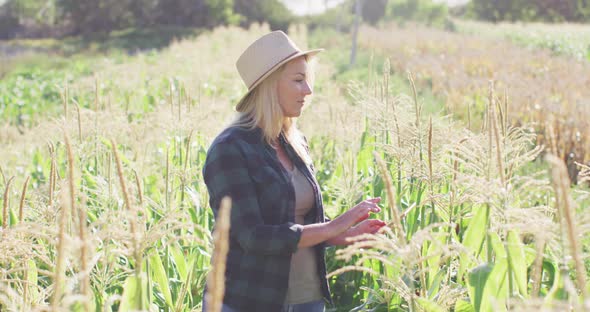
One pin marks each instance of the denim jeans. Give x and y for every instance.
(224, 308)
(314, 306)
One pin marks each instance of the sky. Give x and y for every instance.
(302, 7)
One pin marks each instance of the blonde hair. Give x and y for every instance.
(261, 108)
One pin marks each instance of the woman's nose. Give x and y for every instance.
(307, 89)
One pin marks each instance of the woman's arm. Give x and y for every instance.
(316, 233)
(225, 174)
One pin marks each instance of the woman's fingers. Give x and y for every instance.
(360, 212)
(374, 200)
(374, 225)
(371, 203)
(376, 222)
(367, 207)
(378, 226)
(362, 218)
(370, 226)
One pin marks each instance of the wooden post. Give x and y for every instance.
(355, 30)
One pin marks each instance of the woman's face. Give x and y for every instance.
(293, 87)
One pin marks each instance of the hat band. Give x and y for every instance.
(266, 72)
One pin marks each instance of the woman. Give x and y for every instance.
(278, 229)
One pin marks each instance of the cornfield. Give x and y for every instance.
(546, 92)
(105, 209)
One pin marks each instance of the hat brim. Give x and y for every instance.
(313, 52)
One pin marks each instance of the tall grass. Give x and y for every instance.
(216, 278)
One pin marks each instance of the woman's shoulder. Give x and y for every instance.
(234, 146)
(235, 138)
(234, 134)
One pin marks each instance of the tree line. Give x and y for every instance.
(44, 18)
(55, 18)
(531, 11)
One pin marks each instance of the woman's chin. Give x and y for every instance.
(293, 114)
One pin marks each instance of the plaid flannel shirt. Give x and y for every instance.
(263, 234)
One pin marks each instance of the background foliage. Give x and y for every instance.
(39, 18)
(525, 10)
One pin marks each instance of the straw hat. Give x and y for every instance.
(264, 56)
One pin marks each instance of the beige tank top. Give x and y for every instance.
(304, 282)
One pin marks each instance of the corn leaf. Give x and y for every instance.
(134, 294)
(473, 238)
(478, 278)
(159, 276)
(179, 260)
(517, 261)
(429, 306)
(496, 288)
(463, 306)
(32, 279)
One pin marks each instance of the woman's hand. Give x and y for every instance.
(334, 231)
(356, 214)
(370, 226)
